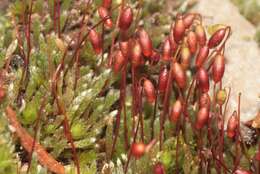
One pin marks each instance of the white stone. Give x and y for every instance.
(243, 56)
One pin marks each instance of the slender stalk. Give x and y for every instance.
(222, 130)
(54, 15)
(68, 134)
(154, 114)
(166, 100)
(124, 108)
(133, 98)
(118, 116)
(110, 60)
(130, 151)
(26, 140)
(77, 71)
(177, 146)
(58, 17)
(25, 73)
(140, 114)
(36, 129)
(238, 141)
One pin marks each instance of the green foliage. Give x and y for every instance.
(87, 92)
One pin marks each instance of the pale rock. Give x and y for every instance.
(243, 55)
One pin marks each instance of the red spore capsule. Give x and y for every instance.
(179, 75)
(145, 42)
(218, 68)
(203, 80)
(126, 18)
(202, 56)
(104, 15)
(202, 117)
(201, 35)
(95, 40)
(178, 30)
(176, 111)
(216, 38)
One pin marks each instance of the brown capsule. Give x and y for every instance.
(176, 111)
(218, 68)
(204, 100)
(138, 149)
(241, 171)
(149, 91)
(158, 169)
(104, 15)
(178, 30)
(96, 41)
(145, 42)
(173, 44)
(179, 75)
(201, 35)
(202, 117)
(192, 42)
(124, 47)
(216, 38)
(188, 19)
(119, 61)
(167, 52)
(2, 94)
(202, 56)
(136, 54)
(126, 18)
(107, 3)
(232, 125)
(163, 78)
(185, 57)
(203, 80)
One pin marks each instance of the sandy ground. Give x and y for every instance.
(242, 53)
